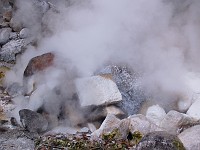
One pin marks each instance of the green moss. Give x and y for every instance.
(110, 136)
(179, 145)
(135, 137)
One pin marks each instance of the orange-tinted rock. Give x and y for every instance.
(39, 63)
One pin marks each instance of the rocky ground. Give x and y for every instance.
(121, 116)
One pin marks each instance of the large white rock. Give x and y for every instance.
(97, 90)
(194, 110)
(173, 121)
(155, 114)
(191, 138)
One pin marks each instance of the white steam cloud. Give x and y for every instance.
(159, 38)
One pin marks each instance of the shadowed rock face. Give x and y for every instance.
(39, 63)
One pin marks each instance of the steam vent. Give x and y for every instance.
(99, 75)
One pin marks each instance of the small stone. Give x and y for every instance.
(193, 111)
(160, 140)
(24, 33)
(39, 63)
(32, 121)
(155, 114)
(4, 35)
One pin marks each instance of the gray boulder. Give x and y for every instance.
(11, 49)
(33, 121)
(160, 140)
(4, 35)
(129, 85)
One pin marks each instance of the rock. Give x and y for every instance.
(174, 121)
(109, 124)
(13, 36)
(11, 49)
(4, 35)
(39, 63)
(160, 140)
(24, 33)
(190, 138)
(15, 24)
(32, 121)
(193, 111)
(142, 124)
(129, 85)
(15, 89)
(91, 127)
(7, 16)
(100, 112)
(155, 114)
(97, 90)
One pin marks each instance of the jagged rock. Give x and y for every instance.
(160, 140)
(24, 33)
(129, 85)
(109, 124)
(39, 63)
(4, 35)
(155, 114)
(32, 121)
(11, 49)
(190, 138)
(193, 111)
(142, 124)
(174, 121)
(97, 90)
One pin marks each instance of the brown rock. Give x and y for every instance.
(7, 15)
(39, 63)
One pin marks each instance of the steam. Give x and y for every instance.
(158, 38)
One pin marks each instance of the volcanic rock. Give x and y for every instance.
(193, 111)
(11, 49)
(24, 33)
(160, 140)
(32, 121)
(129, 85)
(97, 90)
(142, 124)
(190, 138)
(39, 63)
(174, 121)
(109, 124)
(155, 114)
(4, 35)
